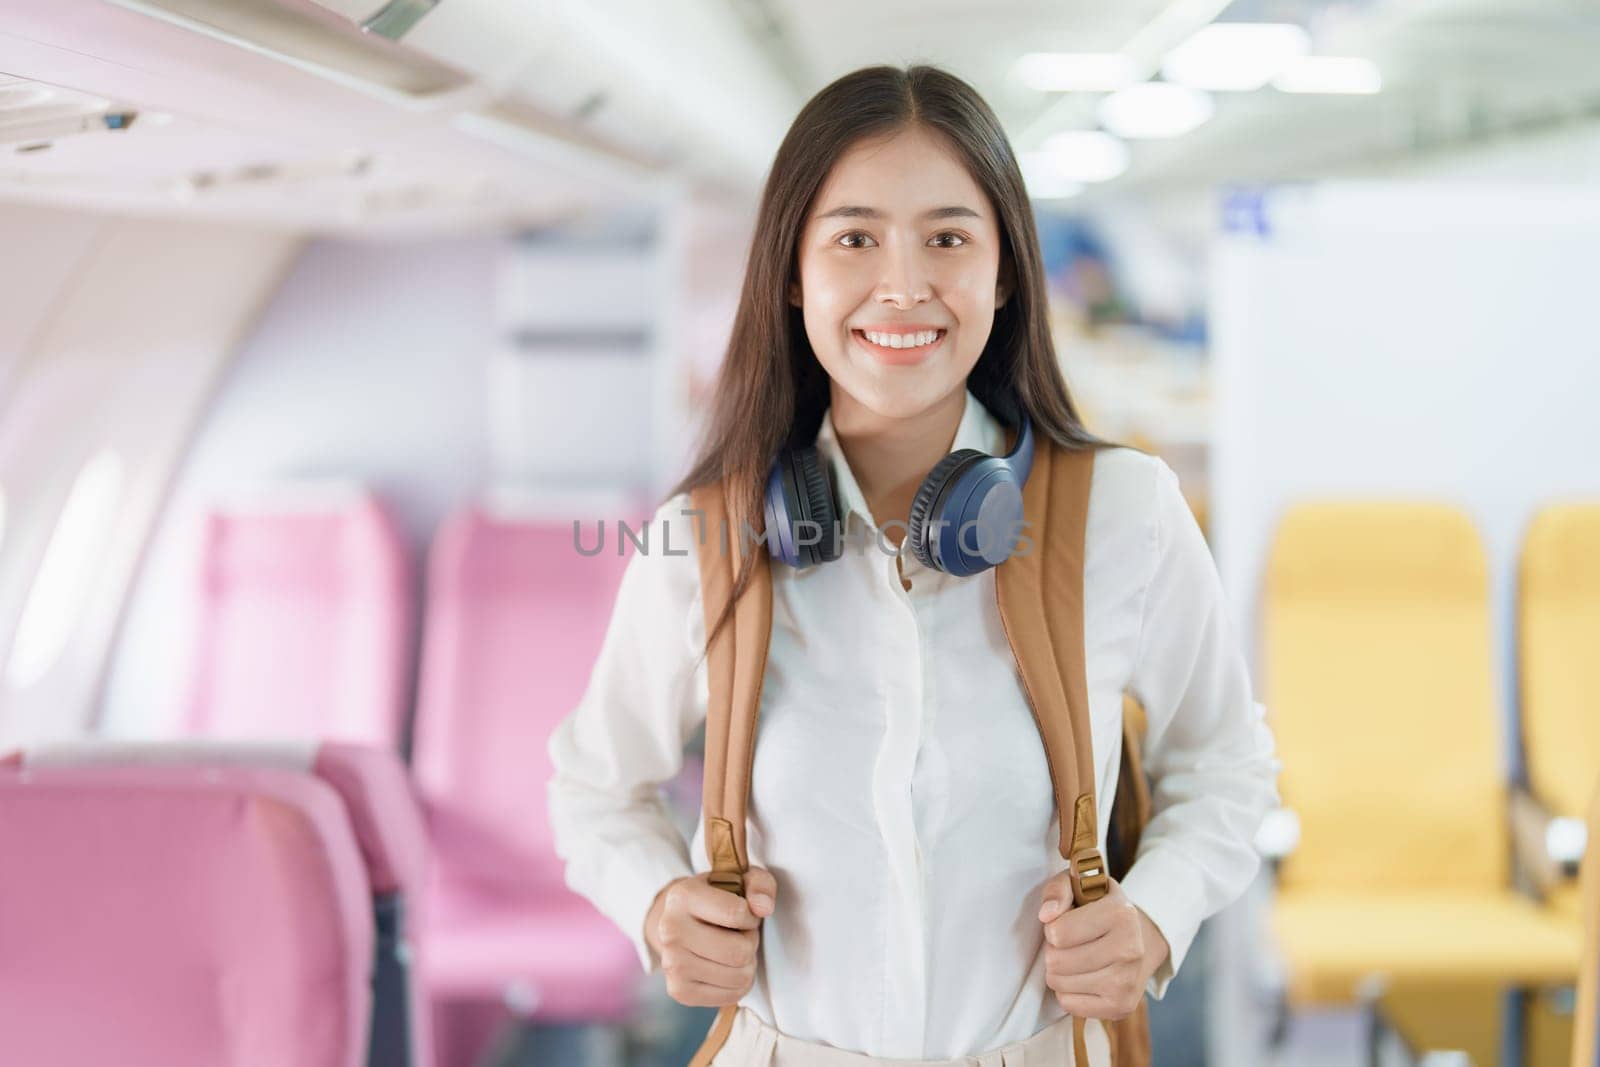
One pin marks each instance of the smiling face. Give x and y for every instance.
(899, 274)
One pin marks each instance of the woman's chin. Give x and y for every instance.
(899, 396)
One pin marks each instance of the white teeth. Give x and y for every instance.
(902, 340)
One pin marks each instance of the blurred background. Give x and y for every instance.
(320, 320)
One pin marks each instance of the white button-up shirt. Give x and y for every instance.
(900, 793)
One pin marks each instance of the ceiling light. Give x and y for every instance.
(1056, 189)
(1084, 156)
(1235, 56)
(1330, 74)
(1044, 180)
(1154, 109)
(1066, 72)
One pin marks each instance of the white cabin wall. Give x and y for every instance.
(114, 331)
(40, 247)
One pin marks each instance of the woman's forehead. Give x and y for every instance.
(911, 175)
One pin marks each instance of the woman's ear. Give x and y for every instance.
(1005, 283)
(794, 293)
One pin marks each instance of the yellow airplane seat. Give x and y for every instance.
(1586, 1045)
(1378, 677)
(1558, 635)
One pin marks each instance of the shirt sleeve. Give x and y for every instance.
(1208, 751)
(627, 733)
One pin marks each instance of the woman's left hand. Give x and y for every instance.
(1098, 957)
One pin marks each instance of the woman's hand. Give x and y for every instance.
(706, 938)
(1098, 958)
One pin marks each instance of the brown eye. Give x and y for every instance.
(854, 233)
(960, 238)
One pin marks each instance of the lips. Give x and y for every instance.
(899, 356)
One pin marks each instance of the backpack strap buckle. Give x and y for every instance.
(1089, 878)
(726, 870)
(732, 881)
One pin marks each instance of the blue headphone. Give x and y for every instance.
(964, 519)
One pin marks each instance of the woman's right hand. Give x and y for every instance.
(707, 938)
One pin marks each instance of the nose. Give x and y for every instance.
(905, 283)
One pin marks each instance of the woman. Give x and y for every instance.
(905, 897)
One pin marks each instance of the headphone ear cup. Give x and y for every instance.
(943, 475)
(812, 480)
(782, 505)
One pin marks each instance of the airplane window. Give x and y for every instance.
(67, 573)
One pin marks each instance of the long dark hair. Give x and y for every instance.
(771, 390)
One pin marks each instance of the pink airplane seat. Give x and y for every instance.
(209, 903)
(304, 621)
(515, 619)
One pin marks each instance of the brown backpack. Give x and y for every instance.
(1041, 608)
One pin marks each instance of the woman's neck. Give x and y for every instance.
(890, 457)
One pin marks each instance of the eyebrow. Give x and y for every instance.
(855, 211)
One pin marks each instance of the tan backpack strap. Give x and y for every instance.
(735, 664)
(1040, 594)
(721, 1026)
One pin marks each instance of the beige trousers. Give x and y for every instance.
(752, 1043)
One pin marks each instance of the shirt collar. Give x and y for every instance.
(978, 429)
